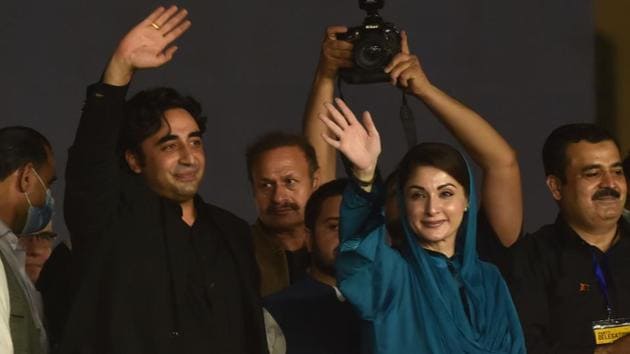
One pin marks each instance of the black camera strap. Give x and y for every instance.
(405, 114)
(408, 122)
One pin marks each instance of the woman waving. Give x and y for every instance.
(435, 296)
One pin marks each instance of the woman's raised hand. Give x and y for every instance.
(360, 143)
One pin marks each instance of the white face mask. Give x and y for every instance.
(38, 217)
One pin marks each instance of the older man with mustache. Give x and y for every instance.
(283, 172)
(571, 279)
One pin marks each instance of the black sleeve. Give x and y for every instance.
(258, 339)
(251, 259)
(57, 290)
(239, 235)
(529, 292)
(92, 171)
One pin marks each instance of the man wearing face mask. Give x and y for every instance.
(27, 169)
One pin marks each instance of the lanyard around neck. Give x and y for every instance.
(599, 263)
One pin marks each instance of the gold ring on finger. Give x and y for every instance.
(155, 25)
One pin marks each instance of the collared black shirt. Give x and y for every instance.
(556, 291)
(205, 284)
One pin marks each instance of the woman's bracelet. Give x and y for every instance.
(363, 183)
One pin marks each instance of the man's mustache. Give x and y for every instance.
(606, 192)
(282, 207)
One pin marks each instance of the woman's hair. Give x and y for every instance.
(438, 155)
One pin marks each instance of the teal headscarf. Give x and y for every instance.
(421, 301)
(465, 302)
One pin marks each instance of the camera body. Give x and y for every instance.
(375, 42)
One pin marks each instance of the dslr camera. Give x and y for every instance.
(375, 42)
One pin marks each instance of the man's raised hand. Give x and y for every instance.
(147, 45)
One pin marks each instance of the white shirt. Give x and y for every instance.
(276, 343)
(16, 260)
(6, 345)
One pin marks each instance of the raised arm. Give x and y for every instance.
(92, 172)
(369, 272)
(501, 194)
(360, 143)
(147, 45)
(335, 54)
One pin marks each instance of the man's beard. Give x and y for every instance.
(322, 265)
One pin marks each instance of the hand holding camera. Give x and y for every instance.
(375, 42)
(335, 54)
(406, 72)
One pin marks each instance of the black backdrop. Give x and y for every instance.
(526, 65)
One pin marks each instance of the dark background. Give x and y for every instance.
(527, 66)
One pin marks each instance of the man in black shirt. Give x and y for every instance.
(312, 313)
(160, 270)
(577, 270)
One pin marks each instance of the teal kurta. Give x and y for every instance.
(418, 301)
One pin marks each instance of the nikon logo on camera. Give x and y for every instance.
(375, 42)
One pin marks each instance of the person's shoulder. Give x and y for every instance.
(305, 290)
(223, 214)
(544, 235)
(539, 247)
(544, 232)
(224, 219)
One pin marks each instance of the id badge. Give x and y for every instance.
(608, 331)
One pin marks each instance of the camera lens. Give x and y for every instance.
(371, 56)
(373, 51)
